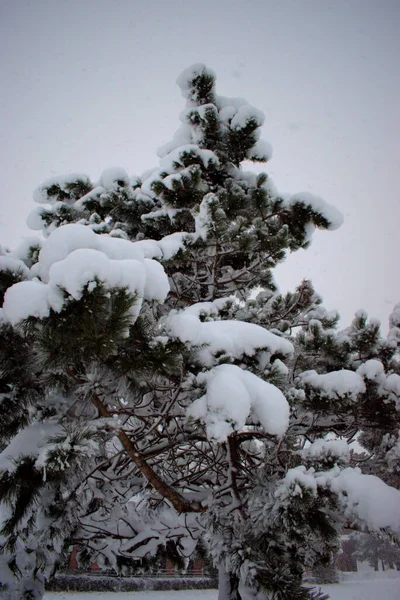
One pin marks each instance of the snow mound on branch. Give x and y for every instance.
(73, 258)
(210, 308)
(113, 178)
(171, 163)
(168, 163)
(233, 395)
(24, 248)
(322, 449)
(296, 479)
(372, 370)
(392, 386)
(86, 265)
(34, 219)
(233, 337)
(318, 205)
(262, 150)
(203, 219)
(364, 498)
(246, 114)
(16, 266)
(232, 113)
(171, 244)
(62, 182)
(336, 383)
(28, 299)
(68, 238)
(27, 443)
(187, 76)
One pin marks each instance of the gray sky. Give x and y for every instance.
(90, 84)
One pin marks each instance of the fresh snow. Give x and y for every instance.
(168, 163)
(262, 150)
(245, 114)
(384, 588)
(27, 443)
(234, 394)
(236, 338)
(111, 177)
(322, 449)
(372, 370)
(360, 496)
(365, 499)
(74, 256)
(336, 383)
(191, 73)
(392, 385)
(41, 195)
(16, 266)
(318, 205)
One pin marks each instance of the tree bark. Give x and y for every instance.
(228, 585)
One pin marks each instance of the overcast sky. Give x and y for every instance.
(90, 84)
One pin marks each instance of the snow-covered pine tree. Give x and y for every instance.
(148, 399)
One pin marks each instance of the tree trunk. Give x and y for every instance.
(228, 585)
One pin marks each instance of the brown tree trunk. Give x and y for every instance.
(165, 490)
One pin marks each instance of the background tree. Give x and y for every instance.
(150, 399)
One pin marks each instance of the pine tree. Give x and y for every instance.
(152, 398)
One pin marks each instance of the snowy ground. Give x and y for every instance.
(384, 589)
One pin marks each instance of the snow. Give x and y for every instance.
(203, 219)
(171, 244)
(321, 449)
(372, 370)
(392, 385)
(182, 136)
(245, 114)
(364, 498)
(94, 194)
(34, 219)
(16, 266)
(73, 257)
(234, 337)
(41, 195)
(110, 177)
(61, 242)
(387, 589)
(296, 479)
(394, 318)
(168, 163)
(317, 204)
(27, 443)
(210, 308)
(188, 75)
(335, 384)
(26, 299)
(227, 113)
(234, 394)
(86, 265)
(226, 102)
(156, 283)
(383, 587)
(23, 249)
(262, 150)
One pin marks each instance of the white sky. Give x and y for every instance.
(90, 84)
